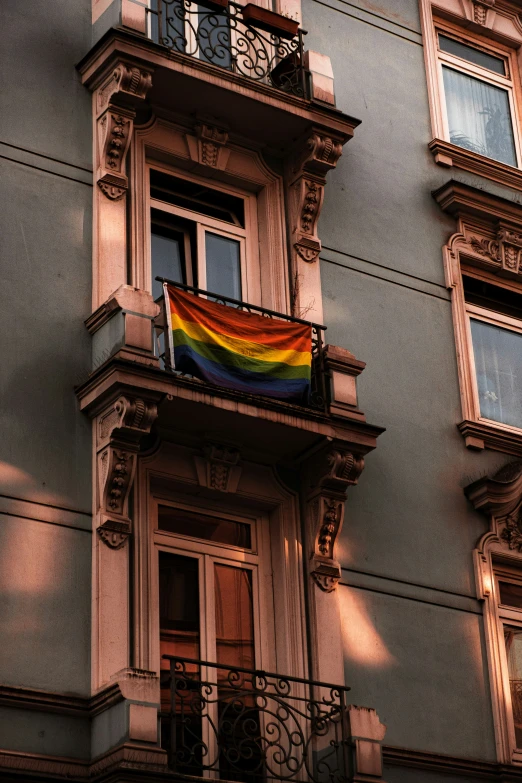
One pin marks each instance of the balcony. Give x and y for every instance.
(129, 358)
(245, 725)
(318, 397)
(228, 37)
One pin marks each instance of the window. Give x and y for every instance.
(479, 109)
(201, 235)
(509, 598)
(212, 606)
(495, 327)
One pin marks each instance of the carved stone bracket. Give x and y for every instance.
(317, 154)
(218, 467)
(119, 431)
(208, 147)
(125, 85)
(326, 504)
(115, 129)
(116, 101)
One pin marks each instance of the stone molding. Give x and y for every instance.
(208, 146)
(116, 100)
(218, 467)
(317, 154)
(119, 429)
(333, 471)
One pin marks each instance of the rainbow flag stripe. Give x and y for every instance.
(239, 350)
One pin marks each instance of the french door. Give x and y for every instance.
(214, 600)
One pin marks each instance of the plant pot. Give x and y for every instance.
(214, 5)
(270, 21)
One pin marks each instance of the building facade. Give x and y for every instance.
(198, 581)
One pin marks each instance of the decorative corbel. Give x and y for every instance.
(338, 469)
(208, 146)
(500, 498)
(317, 154)
(116, 101)
(119, 430)
(218, 467)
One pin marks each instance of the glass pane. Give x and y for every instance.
(179, 606)
(510, 594)
(513, 639)
(472, 55)
(498, 365)
(197, 198)
(234, 616)
(167, 254)
(223, 265)
(214, 37)
(479, 116)
(188, 523)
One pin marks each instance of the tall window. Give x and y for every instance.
(477, 86)
(213, 606)
(495, 325)
(198, 235)
(509, 590)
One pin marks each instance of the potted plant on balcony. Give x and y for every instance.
(270, 21)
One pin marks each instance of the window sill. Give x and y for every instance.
(448, 155)
(480, 435)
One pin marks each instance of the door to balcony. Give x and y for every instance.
(214, 606)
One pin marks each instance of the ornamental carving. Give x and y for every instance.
(512, 532)
(211, 140)
(119, 431)
(218, 467)
(115, 133)
(505, 249)
(332, 474)
(116, 100)
(480, 11)
(126, 84)
(306, 176)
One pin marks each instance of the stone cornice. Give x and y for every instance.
(458, 199)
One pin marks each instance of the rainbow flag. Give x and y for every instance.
(239, 350)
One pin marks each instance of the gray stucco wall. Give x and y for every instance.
(412, 627)
(45, 443)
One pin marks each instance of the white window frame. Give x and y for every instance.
(247, 236)
(496, 319)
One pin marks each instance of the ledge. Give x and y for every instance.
(473, 769)
(459, 199)
(190, 408)
(480, 435)
(183, 84)
(448, 155)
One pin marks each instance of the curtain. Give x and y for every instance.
(498, 365)
(479, 116)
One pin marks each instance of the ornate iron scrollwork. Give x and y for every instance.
(223, 38)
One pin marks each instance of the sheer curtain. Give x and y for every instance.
(498, 365)
(479, 116)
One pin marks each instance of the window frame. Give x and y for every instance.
(507, 83)
(175, 147)
(506, 617)
(471, 404)
(247, 236)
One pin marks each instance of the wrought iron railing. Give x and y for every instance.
(317, 399)
(252, 726)
(222, 37)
